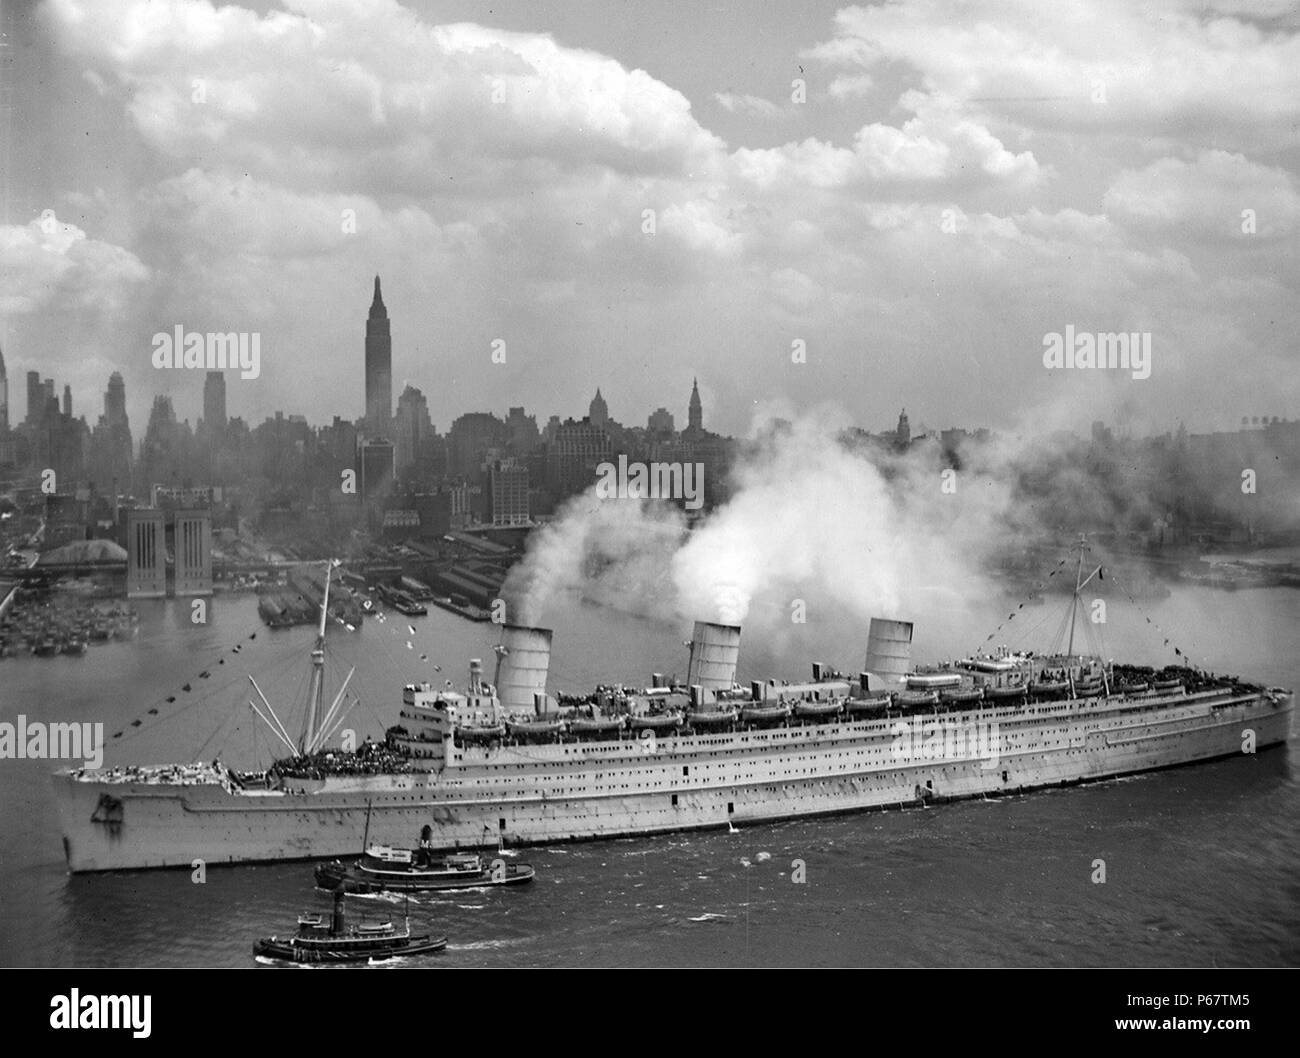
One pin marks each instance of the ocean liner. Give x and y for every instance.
(507, 762)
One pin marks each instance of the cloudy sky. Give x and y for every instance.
(916, 190)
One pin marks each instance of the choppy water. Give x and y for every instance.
(1202, 863)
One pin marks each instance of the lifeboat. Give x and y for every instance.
(917, 699)
(1088, 689)
(961, 696)
(539, 728)
(994, 694)
(818, 710)
(1049, 688)
(933, 681)
(479, 732)
(764, 714)
(1133, 687)
(598, 725)
(656, 722)
(711, 717)
(869, 706)
(1168, 685)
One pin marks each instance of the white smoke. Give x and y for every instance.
(811, 525)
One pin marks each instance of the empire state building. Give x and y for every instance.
(379, 368)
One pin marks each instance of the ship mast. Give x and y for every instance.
(1079, 584)
(317, 669)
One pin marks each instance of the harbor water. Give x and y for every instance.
(1200, 864)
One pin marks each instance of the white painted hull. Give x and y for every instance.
(539, 794)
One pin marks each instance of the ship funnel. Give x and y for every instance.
(523, 660)
(889, 649)
(714, 651)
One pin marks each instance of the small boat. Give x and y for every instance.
(596, 725)
(74, 646)
(479, 732)
(1133, 687)
(933, 681)
(711, 717)
(46, 647)
(539, 728)
(655, 722)
(915, 699)
(961, 696)
(384, 869)
(1049, 688)
(1088, 689)
(818, 710)
(869, 706)
(1168, 685)
(1003, 693)
(764, 714)
(318, 941)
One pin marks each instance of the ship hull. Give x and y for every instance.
(541, 794)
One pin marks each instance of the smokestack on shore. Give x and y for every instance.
(523, 662)
(889, 649)
(715, 650)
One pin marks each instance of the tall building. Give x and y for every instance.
(4, 396)
(214, 403)
(695, 413)
(379, 368)
(111, 444)
(572, 457)
(35, 399)
(903, 433)
(376, 459)
(412, 429)
(661, 423)
(469, 439)
(508, 481)
(522, 435)
(115, 401)
(67, 401)
(598, 411)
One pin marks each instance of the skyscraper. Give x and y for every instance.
(379, 368)
(115, 401)
(598, 410)
(112, 446)
(695, 413)
(214, 403)
(4, 396)
(411, 428)
(35, 399)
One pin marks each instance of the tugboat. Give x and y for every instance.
(318, 941)
(384, 869)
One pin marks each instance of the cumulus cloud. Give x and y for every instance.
(1208, 194)
(52, 266)
(1109, 63)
